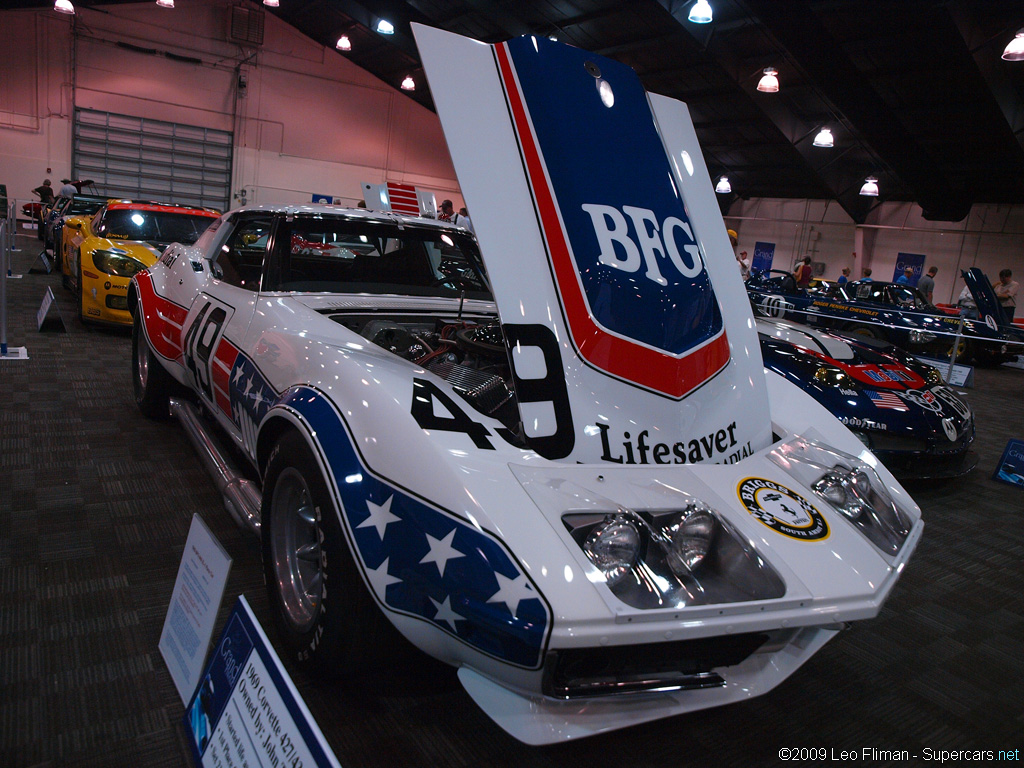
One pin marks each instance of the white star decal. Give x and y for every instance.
(512, 591)
(441, 551)
(445, 612)
(380, 579)
(248, 387)
(258, 397)
(380, 516)
(238, 375)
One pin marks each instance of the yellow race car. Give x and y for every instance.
(101, 253)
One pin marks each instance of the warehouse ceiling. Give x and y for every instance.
(914, 92)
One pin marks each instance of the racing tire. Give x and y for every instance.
(151, 383)
(964, 352)
(326, 617)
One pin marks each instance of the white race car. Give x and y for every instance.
(563, 468)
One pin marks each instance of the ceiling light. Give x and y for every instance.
(343, 44)
(824, 138)
(1014, 50)
(870, 188)
(272, 3)
(701, 12)
(723, 187)
(63, 6)
(769, 83)
(385, 27)
(165, 3)
(408, 84)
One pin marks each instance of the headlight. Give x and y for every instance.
(673, 558)
(849, 486)
(932, 375)
(921, 337)
(613, 547)
(116, 262)
(831, 376)
(691, 540)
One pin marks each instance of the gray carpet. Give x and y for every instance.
(95, 504)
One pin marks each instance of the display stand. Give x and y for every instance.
(6, 235)
(43, 318)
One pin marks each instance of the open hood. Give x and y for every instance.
(630, 333)
(984, 296)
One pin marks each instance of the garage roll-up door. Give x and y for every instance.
(145, 159)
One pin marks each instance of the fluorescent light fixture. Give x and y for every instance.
(769, 83)
(824, 138)
(165, 3)
(1014, 50)
(870, 188)
(63, 6)
(408, 84)
(723, 187)
(701, 12)
(343, 44)
(271, 3)
(385, 27)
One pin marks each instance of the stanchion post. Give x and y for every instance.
(5, 254)
(956, 347)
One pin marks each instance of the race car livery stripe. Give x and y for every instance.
(425, 563)
(637, 362)
(223, 361)
(162, 317)
(881, 377)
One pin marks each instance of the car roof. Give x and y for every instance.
(161, 207)
(354, 214)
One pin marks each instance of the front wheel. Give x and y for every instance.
(326, 617)
(151, 383)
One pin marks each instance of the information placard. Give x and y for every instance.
(1010, 469)
(198, 590)
(958, 376)
(246, 710)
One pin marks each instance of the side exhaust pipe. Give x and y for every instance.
(242, 497)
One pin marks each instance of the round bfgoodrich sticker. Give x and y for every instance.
(781, 509)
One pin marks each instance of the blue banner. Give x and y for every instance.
(1010, 469)
(764, 254)
(913, 260)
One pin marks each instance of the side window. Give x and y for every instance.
(239, 261)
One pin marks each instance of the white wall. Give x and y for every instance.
(309, 121)
(991, 237)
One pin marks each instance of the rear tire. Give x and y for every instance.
(151, 383)
(328, 620)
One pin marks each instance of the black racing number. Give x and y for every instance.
(424, 393)
(548, 389)
(200, 341)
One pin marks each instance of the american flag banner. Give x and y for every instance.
(887, 400)
(403, 198)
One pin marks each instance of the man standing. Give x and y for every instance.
(69, 189)
(45, 192)
(844, 277)
(926, 285)
(1006, 291)
(906, 277)
(446, 212)
(802, 274)
(744, 263)
(865, 274)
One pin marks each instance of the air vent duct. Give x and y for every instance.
(246, 26)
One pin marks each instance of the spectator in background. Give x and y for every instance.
(744, 265)
(463, 220)
(926, 285)
(865, 274)
(907, 277)
(68, 189)
(844, 277)
(968, 307)
(45, 192)
(446, 211)
(802, 273)
(1006, 291)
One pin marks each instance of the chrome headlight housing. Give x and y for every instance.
(851, 487)
(673, 558)
(831, 376)
(116, 262)
(921, 337)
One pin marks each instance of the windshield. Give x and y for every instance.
(325, 254)
(153, 226)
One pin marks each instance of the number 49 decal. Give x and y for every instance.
(550, 388)
(201, 340)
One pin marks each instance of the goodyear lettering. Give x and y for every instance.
(714, 445)
(672, 240)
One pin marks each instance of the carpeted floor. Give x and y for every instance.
(95, 505)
